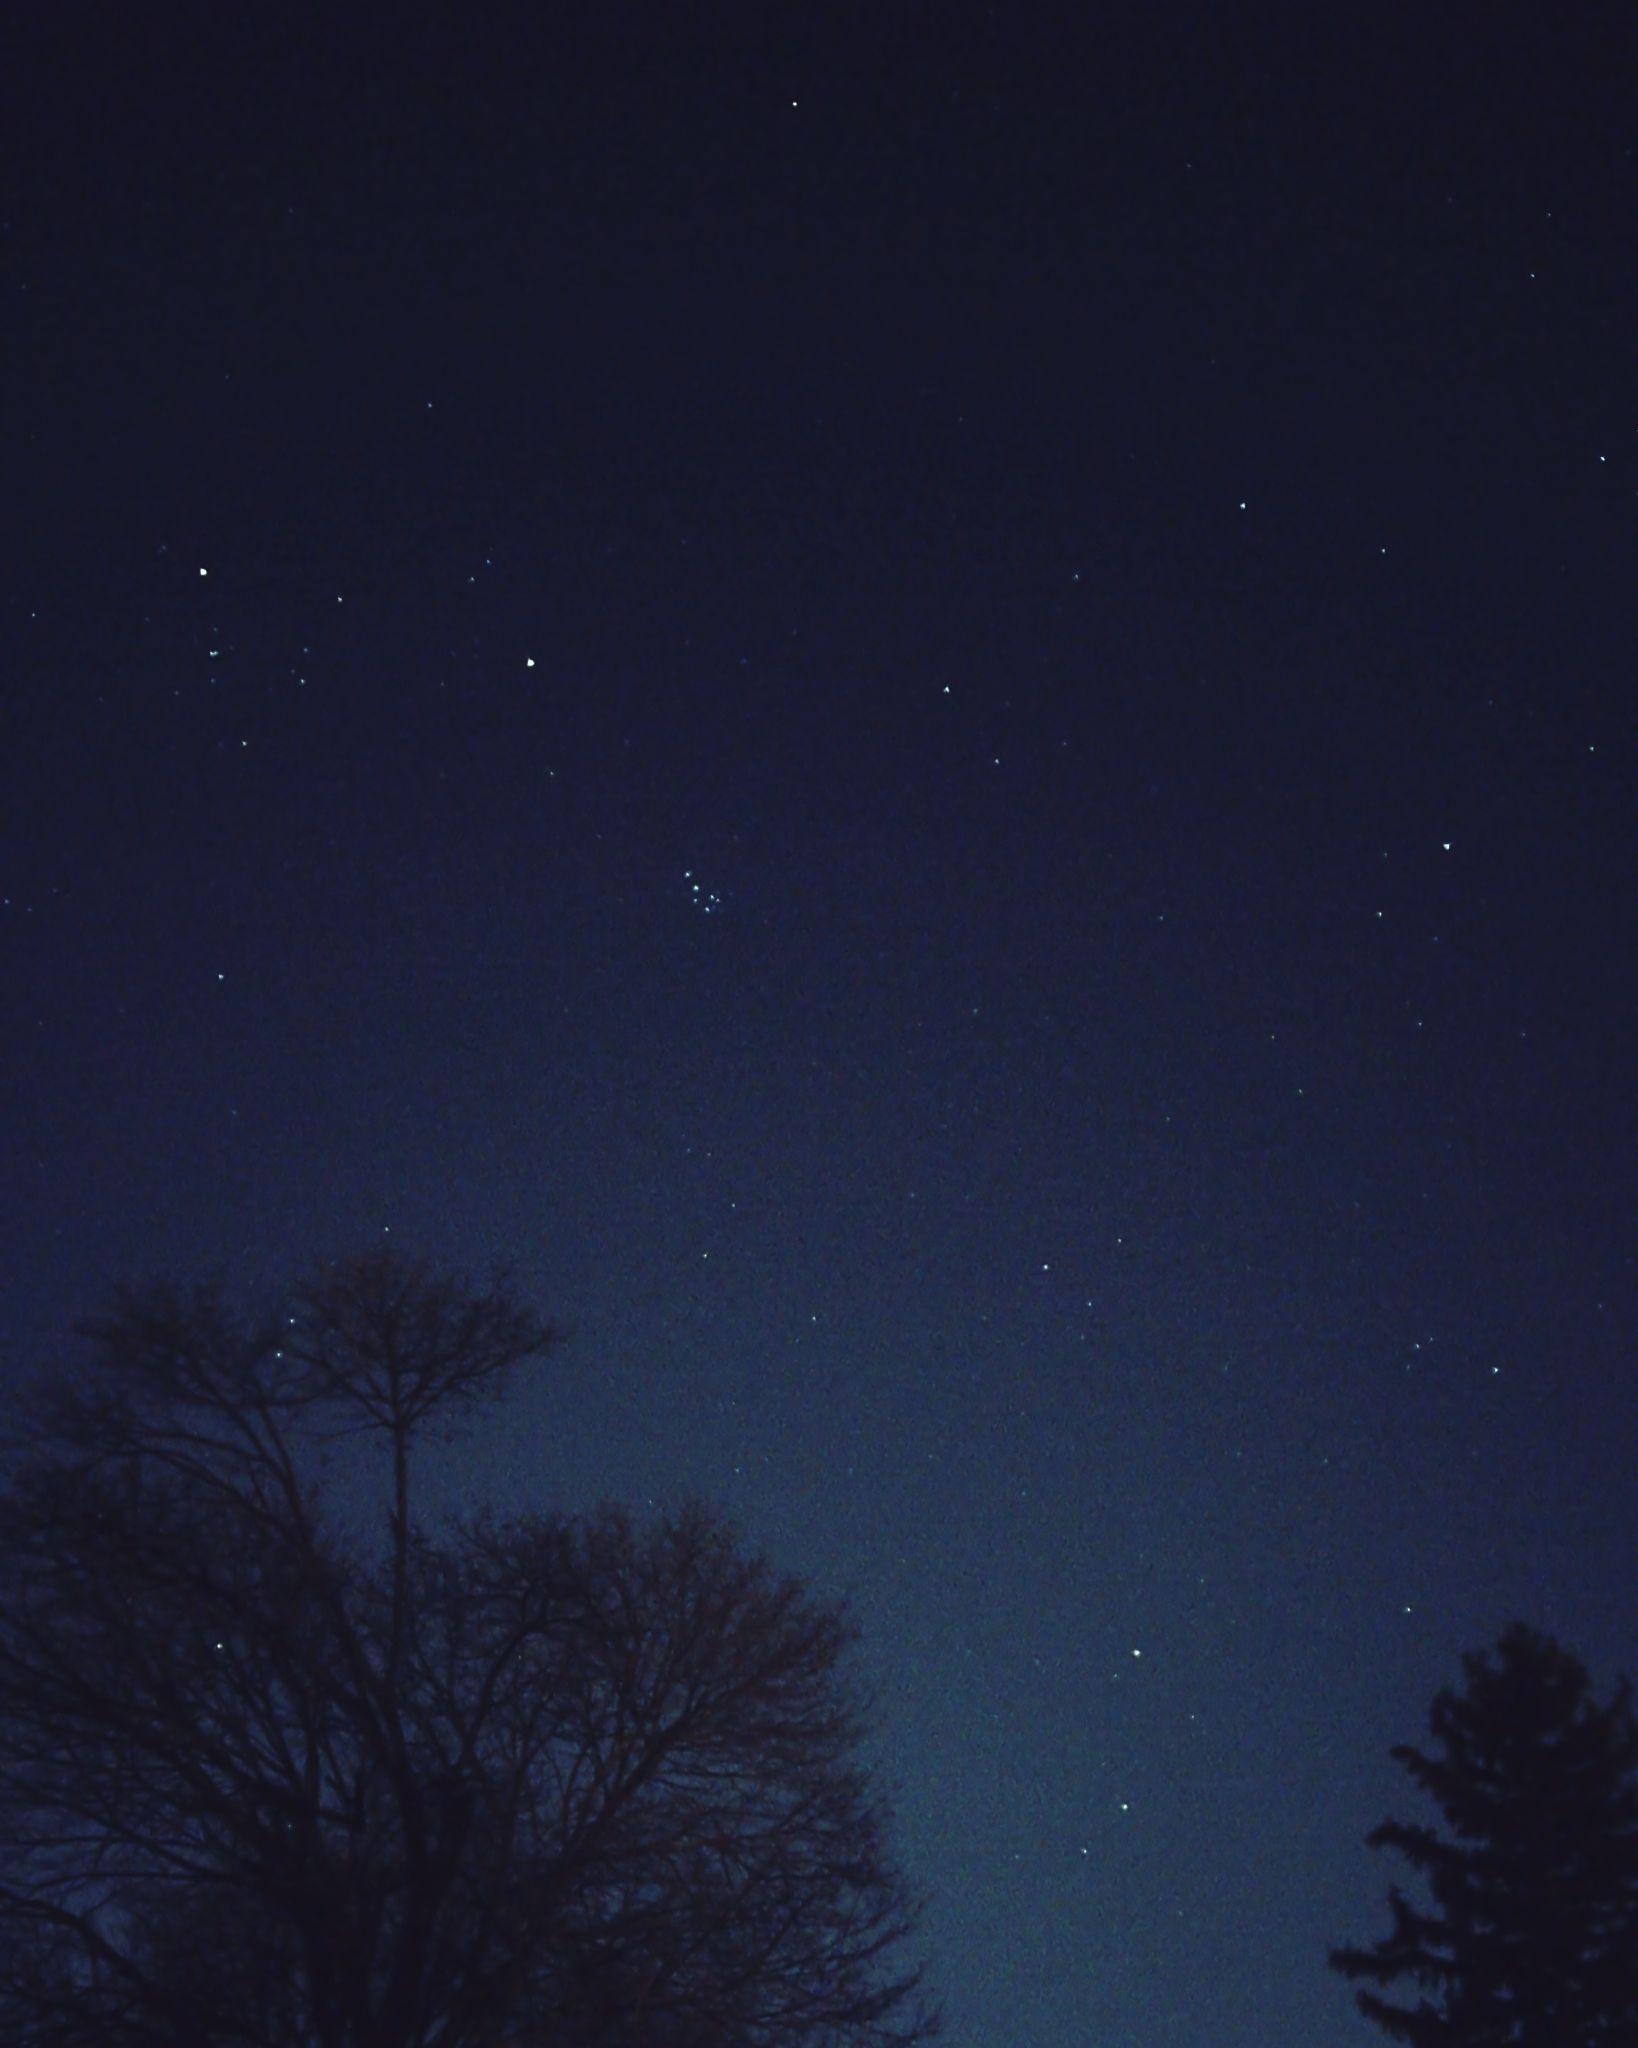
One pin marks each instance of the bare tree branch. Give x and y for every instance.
(554, 1777)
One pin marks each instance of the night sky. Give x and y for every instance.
(938, 710)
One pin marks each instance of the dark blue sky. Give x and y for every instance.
(940, 715)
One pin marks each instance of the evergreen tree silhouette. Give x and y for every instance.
(1531, 1936)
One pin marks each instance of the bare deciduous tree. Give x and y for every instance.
(545, 1780)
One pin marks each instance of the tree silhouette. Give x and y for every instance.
(261, 1782)
(1532, 1936)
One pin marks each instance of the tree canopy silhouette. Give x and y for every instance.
(547, 1779)
(1531, 1940)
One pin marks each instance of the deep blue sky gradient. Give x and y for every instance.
(939, 714)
